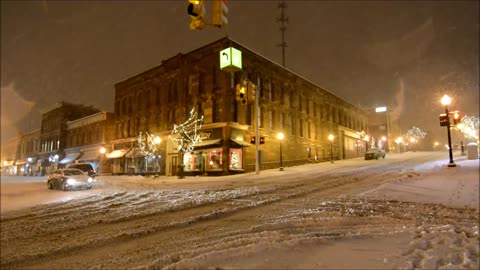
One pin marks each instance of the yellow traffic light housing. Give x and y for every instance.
(252, 89)
(196, 10)
(219, 13)
(241, 94)
(457, 117)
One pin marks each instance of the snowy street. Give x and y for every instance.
(406, 211)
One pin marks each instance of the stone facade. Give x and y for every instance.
(158, 98)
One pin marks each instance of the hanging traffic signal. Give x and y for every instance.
(196, 10)
(252, 89)
(219, 13)
(457, 117)
(241, 94)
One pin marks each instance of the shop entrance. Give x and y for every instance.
(174, 165)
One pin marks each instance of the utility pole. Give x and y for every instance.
(283, 19)
(257, 133)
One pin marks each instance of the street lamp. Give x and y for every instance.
(446, 100)
(330, 138)
(280, 137)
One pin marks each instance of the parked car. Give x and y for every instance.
(374, 153)
(69, 179)
(85, 167)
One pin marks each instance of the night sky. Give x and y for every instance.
(402, 54)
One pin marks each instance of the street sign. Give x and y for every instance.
(444, 120)
(231, 59)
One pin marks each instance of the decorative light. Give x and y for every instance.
(331, 137)
(185, 136)
(103, 150)
(280, 136)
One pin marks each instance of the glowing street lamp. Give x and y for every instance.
(280, 137)
(446, 100)
(330, 138)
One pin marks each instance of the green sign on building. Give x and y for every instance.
(231, 59)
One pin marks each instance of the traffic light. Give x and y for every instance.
(252, 89)
(219, 13)
(241, 93)
(457, 117)
(196, 10)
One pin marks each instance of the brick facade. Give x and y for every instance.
(156, 99)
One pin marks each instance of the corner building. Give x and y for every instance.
(306, 114)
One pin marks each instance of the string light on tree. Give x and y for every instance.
(184, 136)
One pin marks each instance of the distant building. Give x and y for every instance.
(10, 154)
(85, 139)
(53, 132)
(158, 98)
(29, 148)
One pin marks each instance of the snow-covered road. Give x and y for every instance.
(406, 211)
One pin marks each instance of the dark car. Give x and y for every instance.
(85, 167)
(69, 179)
(374, 153)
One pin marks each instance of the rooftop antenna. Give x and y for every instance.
(282, 20)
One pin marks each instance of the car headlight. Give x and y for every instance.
(70, 181)
(90, 180)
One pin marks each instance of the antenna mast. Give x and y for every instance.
(283, 19)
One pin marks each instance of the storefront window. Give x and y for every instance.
(235, 159)
(193, 161)
(189, 161)
(215, 159)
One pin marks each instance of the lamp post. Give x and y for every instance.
(446, 100)
(157, 142)
(330, 138)
(280, 137)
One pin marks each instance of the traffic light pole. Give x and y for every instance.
(451, 163)
(257, 122)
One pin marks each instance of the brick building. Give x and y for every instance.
(85, 139)
(53, 132)
(29, 147)
(158, 98)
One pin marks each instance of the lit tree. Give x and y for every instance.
(184, 136)
(469, 126)
(415, 134)
(148, 145)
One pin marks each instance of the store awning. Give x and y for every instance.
(89, 155)
(207, 143)
(69, 158)
(117, 153)
(241, 143)
(7, 163)
(136, 152)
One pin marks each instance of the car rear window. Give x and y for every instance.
(72, 172)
